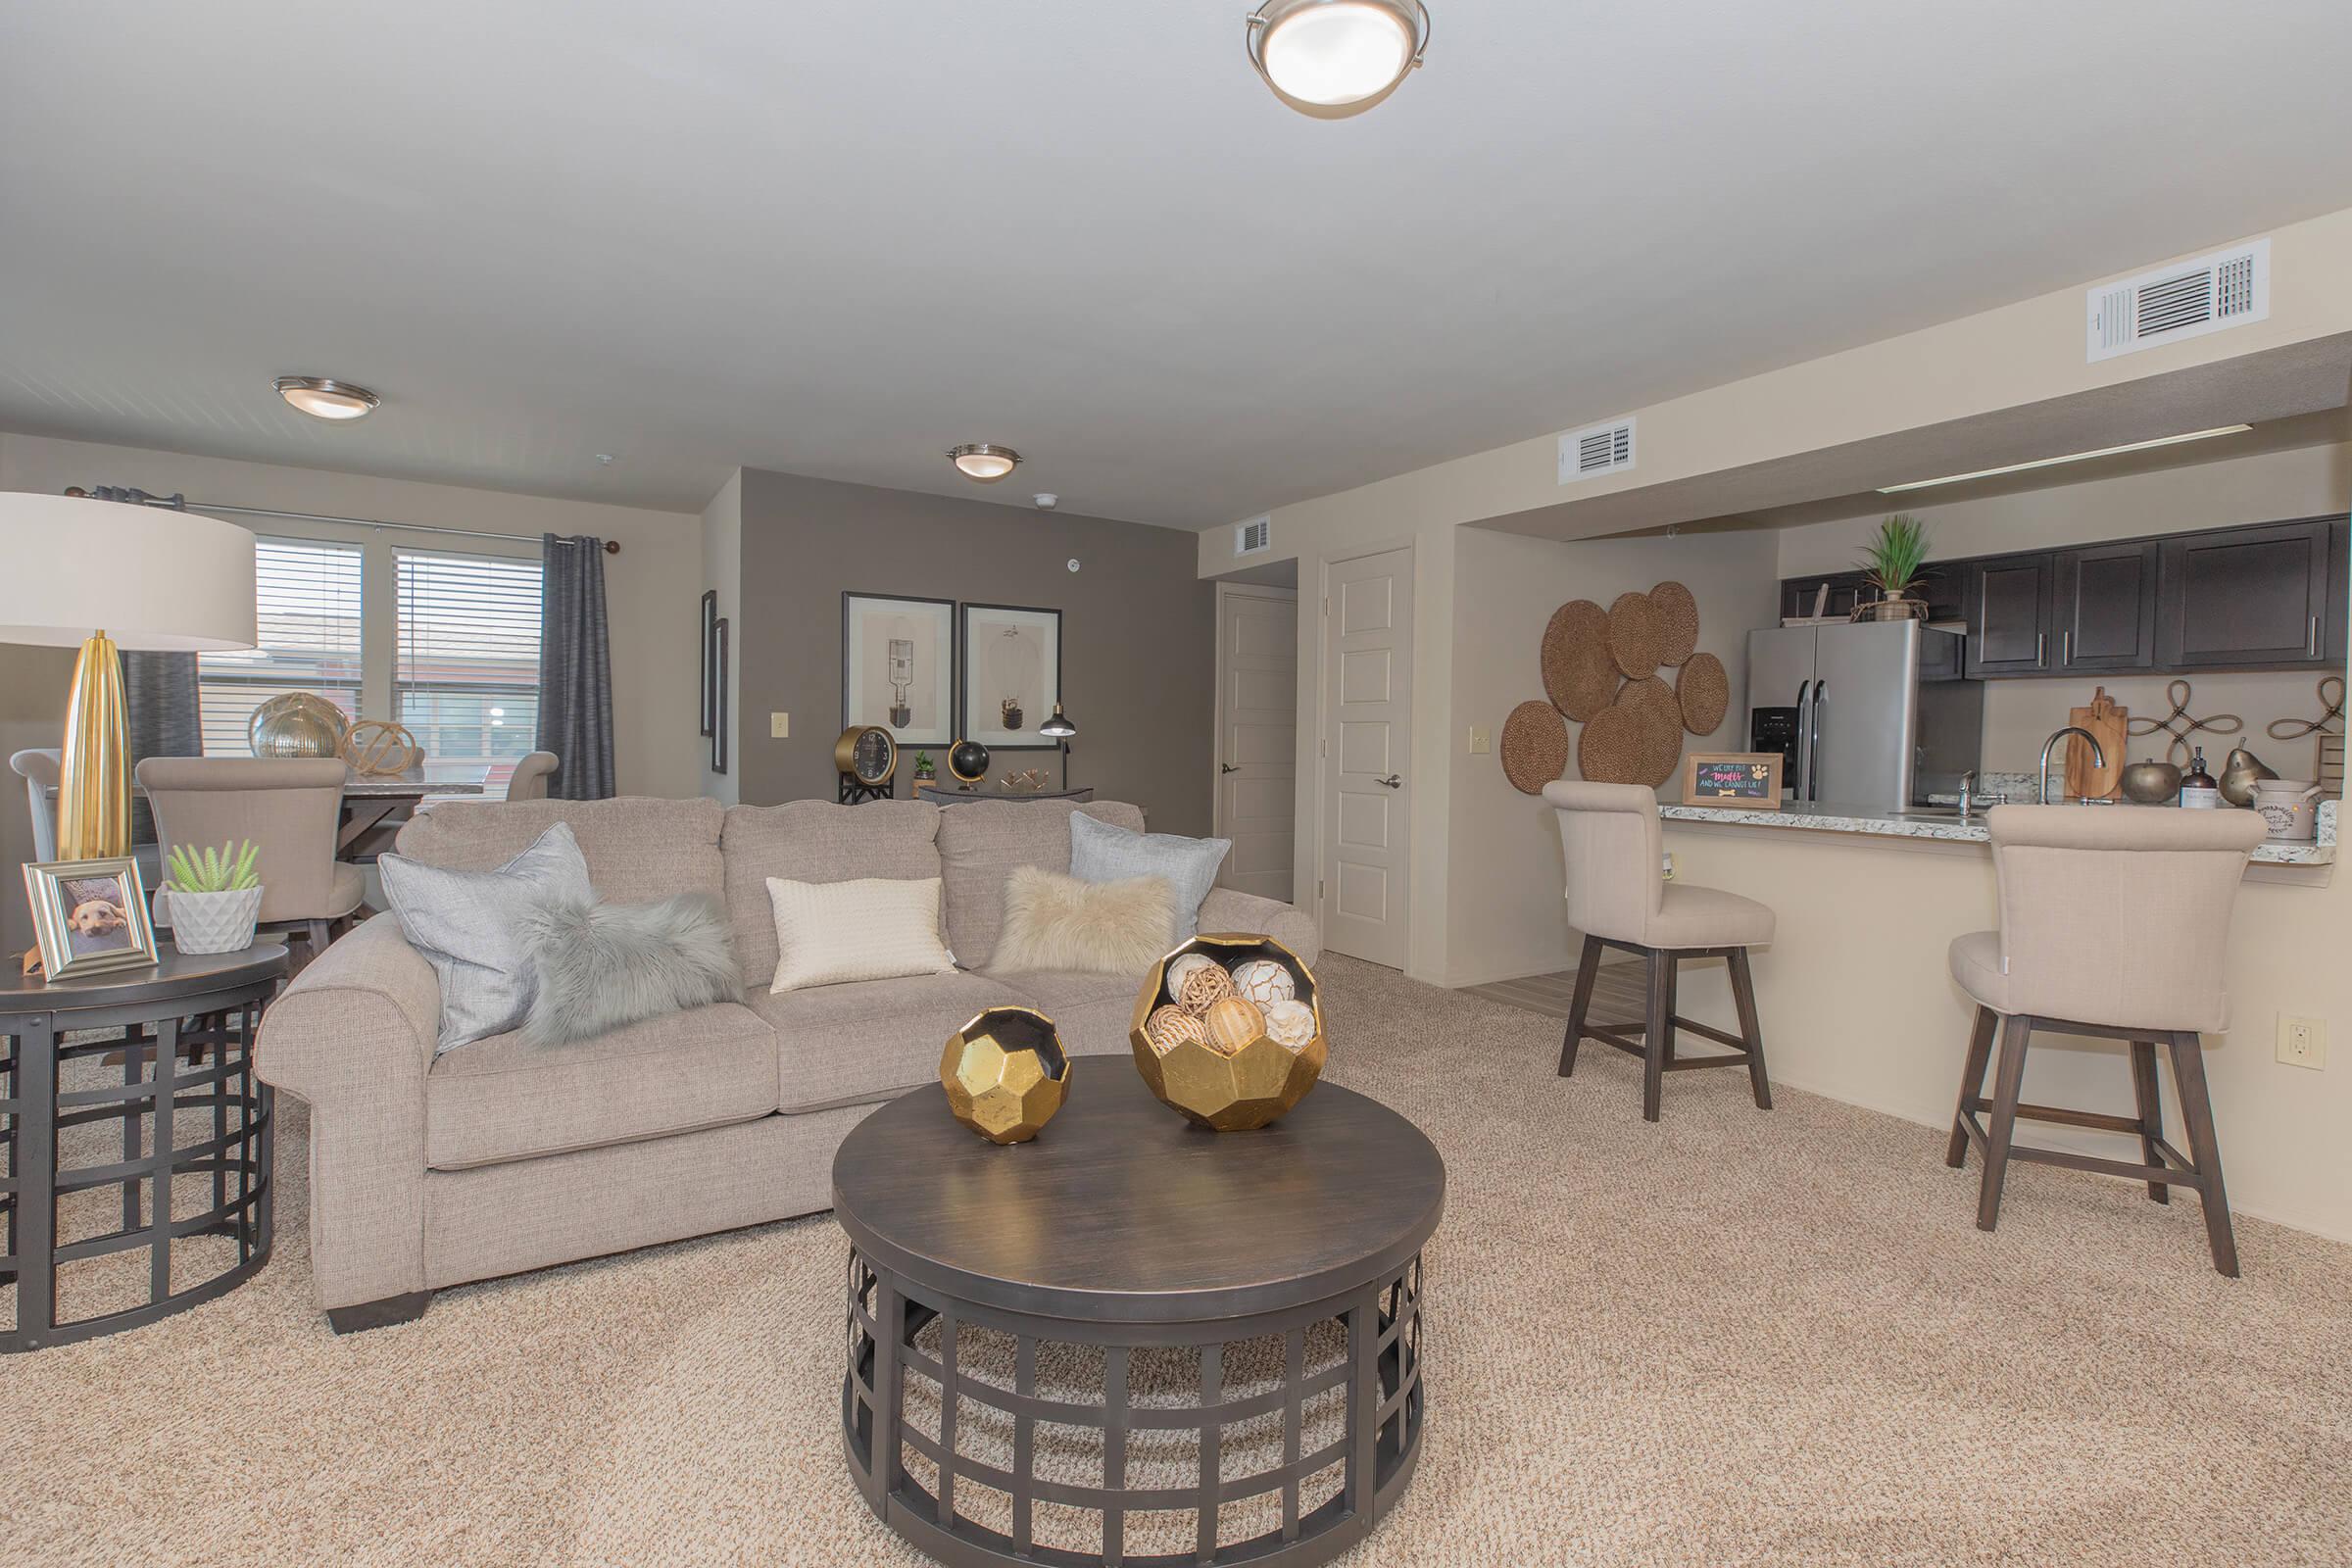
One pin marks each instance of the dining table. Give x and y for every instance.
(369, 798)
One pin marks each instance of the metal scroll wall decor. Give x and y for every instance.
(1600, 670)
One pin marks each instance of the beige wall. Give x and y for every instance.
(652, 587)
(1505, 916)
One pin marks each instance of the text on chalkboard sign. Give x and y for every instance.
(1748, 780)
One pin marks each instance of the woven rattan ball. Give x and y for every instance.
(1677, 614)
(1232, 1023)
(1181, 968)
(1170, 1026)
(1705, 693)
(1535, 747)
(1634, 641)
(1203, 988)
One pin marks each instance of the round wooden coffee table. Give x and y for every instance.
(1120, 1229)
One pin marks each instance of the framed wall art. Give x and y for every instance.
(1011, 675)
(718, 695)
(710, 660)
(90, 915)
(898, 666)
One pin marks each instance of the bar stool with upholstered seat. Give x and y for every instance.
(2114, 922)
(1618, 897)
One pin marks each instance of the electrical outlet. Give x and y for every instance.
(1478, 740)
(779, 726)
(2303, 1042)
(1668, 872)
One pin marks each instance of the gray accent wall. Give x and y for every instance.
(1137, 629)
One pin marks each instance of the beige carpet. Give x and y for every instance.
(1734, 1337)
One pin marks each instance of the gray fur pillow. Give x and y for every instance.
(602, 966)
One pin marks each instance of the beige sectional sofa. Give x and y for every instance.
(497, 1158)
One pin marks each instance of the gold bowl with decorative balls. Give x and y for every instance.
(1216, 1056)
(1005, 1073)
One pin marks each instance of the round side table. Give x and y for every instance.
(206, 1005)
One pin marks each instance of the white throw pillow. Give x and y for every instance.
(869, 929)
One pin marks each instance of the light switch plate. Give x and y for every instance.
(779, 726)
(1478, 740)
(2303, 1042)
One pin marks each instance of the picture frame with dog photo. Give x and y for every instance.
(90, 916)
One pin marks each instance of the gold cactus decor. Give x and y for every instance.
(1236, 1067)
(1006, 1074)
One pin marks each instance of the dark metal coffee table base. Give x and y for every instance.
(1380, 1373)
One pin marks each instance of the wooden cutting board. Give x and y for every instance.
(2083, 781)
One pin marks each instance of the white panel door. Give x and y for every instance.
(1366, 743)
(1257, 737)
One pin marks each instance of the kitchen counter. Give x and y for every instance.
(1934, 822)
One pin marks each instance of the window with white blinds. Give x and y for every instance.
(466, 666)
(307, 612)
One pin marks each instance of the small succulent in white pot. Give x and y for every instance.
(213, 897)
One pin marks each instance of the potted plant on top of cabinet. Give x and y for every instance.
(1892, 565)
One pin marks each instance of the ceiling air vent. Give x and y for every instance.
(1596, 450)
(1254, 536)
(2228, 288)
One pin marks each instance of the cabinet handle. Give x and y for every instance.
(2066, 648)
(2040, 654)
(2311, 644)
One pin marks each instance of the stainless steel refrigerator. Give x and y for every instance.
(1872, 714)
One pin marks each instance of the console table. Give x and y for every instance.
(949, 795)
(207, 1005)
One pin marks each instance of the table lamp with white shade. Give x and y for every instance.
(107, 574)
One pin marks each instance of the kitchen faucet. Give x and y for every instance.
(2098, 759)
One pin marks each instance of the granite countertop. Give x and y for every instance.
(1934, 824)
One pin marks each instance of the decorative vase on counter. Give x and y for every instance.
(2289, 806)
(2152, 783)
(2240, 773)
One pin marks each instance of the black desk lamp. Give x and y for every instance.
(1059, 728)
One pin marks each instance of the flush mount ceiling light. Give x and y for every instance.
(983, 461)
(2071, 457)
(1333, 57)
(323, 398)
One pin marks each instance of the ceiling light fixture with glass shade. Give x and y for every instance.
(983, 461)
(326, 397)
(1334, 58)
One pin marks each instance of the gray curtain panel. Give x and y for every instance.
(575, 667)
(160, 718)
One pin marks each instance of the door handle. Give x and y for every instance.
(1392, 781)
(1227, 767)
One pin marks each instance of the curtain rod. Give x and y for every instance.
(179, 503)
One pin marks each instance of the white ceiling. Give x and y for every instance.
(833, 239)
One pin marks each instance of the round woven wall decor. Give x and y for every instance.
(1634, 635)
(1535, 747)
(1678, 621)
(1704, 692)
(1579, 677)
(1652, 701)
(1608, 750)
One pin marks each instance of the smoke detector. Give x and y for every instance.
(1045, 499)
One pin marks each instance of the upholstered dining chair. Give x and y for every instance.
(528, 782)
(290, 806)
(2114, 922)
(41, 768)
(1618, 897)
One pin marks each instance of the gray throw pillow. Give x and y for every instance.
(602, 966)
(468, 925)
(1101, 852)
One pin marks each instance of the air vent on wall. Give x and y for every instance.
(2228, 288)
(1596, 450)
(1249, 538)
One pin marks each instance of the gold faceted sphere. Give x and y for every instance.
(1006, 1074)
(1245, 1079)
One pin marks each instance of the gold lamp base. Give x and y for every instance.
(93, 793)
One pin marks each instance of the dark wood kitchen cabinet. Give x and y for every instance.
(2103, 606)
(2006, 600)
(2250, 598)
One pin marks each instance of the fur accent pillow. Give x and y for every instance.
(1054, 921)
(871, 929)
(602, 966)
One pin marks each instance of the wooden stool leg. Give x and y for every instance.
(1972, 1084)
(2196, 1109)
(1656, 1026)
(1743, 996)
(2151, 1112)
(2009, 1079)
(1588, 969)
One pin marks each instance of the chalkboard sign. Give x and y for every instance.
(1749, 780)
